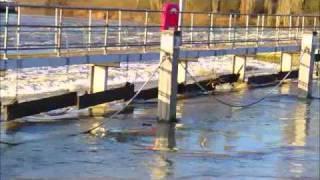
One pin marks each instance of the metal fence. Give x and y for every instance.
(107, 29)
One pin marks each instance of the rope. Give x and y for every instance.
(240, 105)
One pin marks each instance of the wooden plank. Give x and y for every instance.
(272, 78)
(293, 75)
(262, 79)
(148, 94)
(94, 99)
(19, 110)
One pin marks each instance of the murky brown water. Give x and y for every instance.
(278, 138)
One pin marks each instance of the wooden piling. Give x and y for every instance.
(167, 94)
(307, 62)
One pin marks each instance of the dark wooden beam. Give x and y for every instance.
(182, 88)
(94, 99)
(19, 110)
(272, 78)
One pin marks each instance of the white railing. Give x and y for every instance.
(118, 30)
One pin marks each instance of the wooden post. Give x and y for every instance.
(239, 66)
(182, 69)
(167, 89)
(99, 83)
(165, 136)
(182, 74)
(307, 64)
(286, 62)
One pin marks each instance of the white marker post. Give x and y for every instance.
(168, 72)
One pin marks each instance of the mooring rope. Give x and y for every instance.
(239, 105)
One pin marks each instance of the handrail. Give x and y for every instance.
(116, 33)
(14, 5)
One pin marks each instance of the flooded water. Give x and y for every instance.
(278, 138)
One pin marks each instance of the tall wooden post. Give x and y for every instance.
(167, 95)
(307, 64)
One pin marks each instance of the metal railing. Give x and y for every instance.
(110, 29)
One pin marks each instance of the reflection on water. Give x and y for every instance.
(295, 132)
(162, 166)
(165, 136)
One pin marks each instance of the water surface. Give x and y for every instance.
(278, 138)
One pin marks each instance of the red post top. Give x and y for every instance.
(170, 16)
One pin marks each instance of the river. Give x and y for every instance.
(278, 138)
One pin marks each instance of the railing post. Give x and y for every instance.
(59, 35)
(210, 30)
(89, 29)
(297, 27)
(18, 27)
(106, 32)
(5, 38)
(315, 23)
(262, 26)
(234, 35)
(290, 27)
(56, 29)
(119, 28)
(277, 29)
(230, 28)
(302, 25)
(247, 28)
(258, 24)
(146, 23)
(191, 28)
